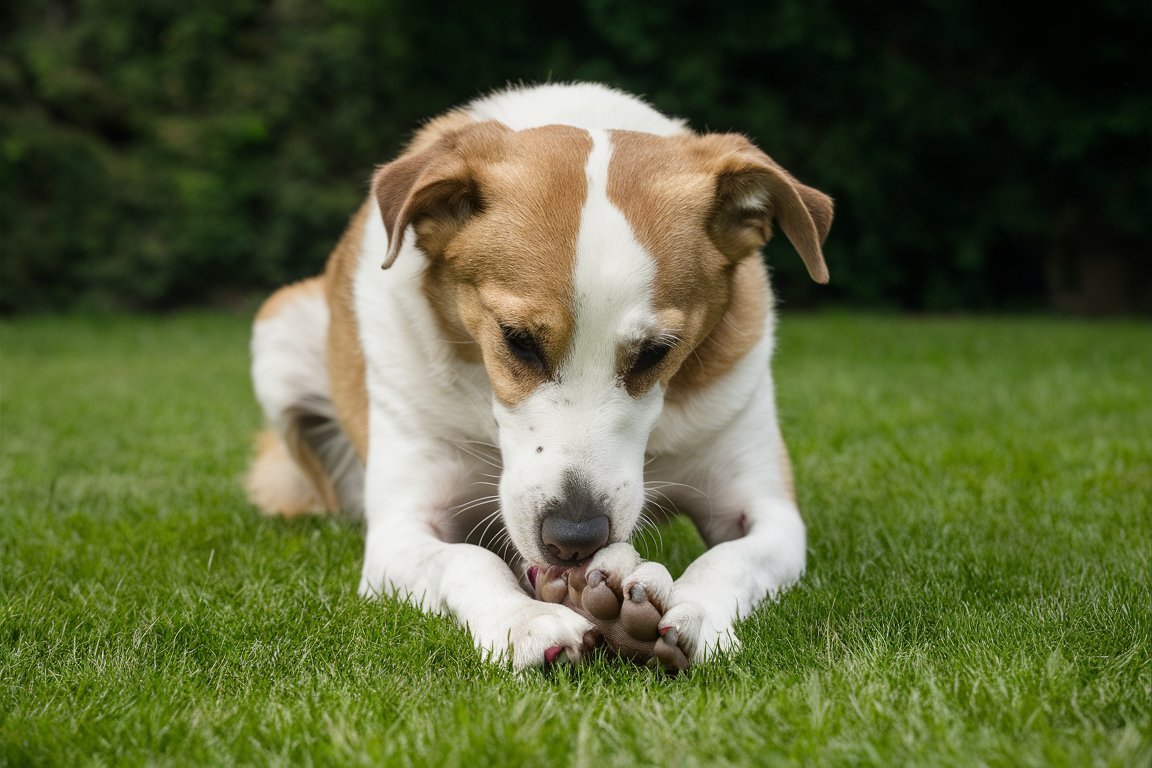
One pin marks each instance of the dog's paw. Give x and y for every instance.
(624, 599)
(696, 632)
(548, 635)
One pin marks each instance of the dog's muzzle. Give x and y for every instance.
(576, 525)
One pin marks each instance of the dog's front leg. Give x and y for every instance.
(642, 613)
(732, 577)
(406, 557)
(756, 538)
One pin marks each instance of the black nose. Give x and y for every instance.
(573, 540)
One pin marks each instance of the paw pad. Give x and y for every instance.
(628, 624)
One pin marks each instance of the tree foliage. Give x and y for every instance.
(157, 153)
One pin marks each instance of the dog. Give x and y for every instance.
(570, 338)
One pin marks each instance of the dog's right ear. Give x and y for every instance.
(435, 190)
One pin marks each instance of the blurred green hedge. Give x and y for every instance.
(156, 153)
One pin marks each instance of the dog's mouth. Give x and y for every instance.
(548, 567)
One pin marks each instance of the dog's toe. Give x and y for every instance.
(598, 598)
(689, 633)
(668, 652)
(551, 635)
(639, 617)
(623, 598)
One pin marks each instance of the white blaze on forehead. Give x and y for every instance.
(614, 274)
(584, 426)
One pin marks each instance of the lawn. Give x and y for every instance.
(978, 499)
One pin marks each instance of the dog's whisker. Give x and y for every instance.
(663, 510)
(504, 548)
(656, 486)
(654, 531)
(482, 443)
(655, 539)
(473, 501)
(671, 484)
(699, 360)
(492, 518)
(479, 523)
(483, 459)
(470, 505)
(647, 532)
(478, 456)
(485, 521)
(669, 510)
(507, 546)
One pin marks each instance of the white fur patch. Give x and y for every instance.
(290, 356)
(290, 374)
(583, 105)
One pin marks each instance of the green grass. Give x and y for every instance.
(978, 593)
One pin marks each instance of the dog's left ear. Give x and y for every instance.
(434, 190)
(752, 190)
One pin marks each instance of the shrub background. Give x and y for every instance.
(158, 154)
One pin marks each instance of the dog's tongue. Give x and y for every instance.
(533, 571)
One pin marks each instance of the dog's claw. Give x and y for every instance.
(592, 639)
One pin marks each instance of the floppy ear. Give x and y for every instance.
(751, 192)
(435, 190)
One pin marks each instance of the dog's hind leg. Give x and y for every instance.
(304, 462)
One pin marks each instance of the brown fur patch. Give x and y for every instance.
(436, 129)
(288, 294)
(665, 188)
(752, 192)
(296, 424)
(739, 328)
(346, 369)
(518, 255)
(434, 190)
(286, 477)
(702, 206)
(277, 484)
(497, 212)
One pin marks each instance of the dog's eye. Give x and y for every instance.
(651, 355)
(523, 346)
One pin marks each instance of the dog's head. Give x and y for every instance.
(586, 271)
